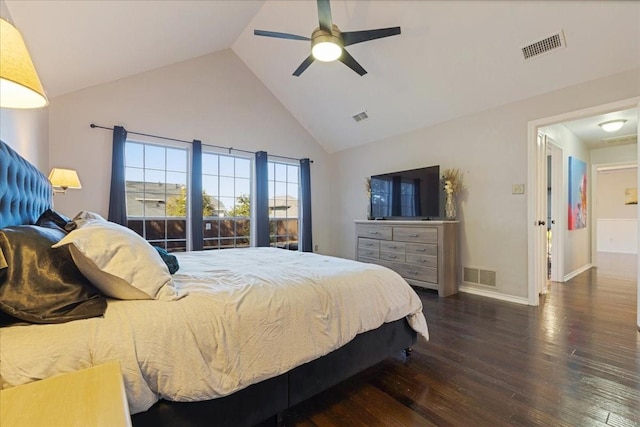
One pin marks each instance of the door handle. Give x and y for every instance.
(541, 223)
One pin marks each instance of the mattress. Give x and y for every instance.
(247, 315)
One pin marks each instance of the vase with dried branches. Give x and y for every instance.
(452, 180)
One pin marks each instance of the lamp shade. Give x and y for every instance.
(64, 178)
(20, 86)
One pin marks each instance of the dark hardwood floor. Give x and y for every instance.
(572, 361)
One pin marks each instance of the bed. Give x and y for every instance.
(234, 337)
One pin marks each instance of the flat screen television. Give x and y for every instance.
(410, 194)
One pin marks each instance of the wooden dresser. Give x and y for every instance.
(425, 253)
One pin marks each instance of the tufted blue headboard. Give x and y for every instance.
(25, 192)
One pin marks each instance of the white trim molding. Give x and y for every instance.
(492, 294)
(574, 273)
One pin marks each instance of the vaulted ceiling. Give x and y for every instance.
(453, 58)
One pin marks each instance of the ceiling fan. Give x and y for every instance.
(328, 42)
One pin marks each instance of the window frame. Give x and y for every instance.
(208, 150)
(166, 145)
(273, 237)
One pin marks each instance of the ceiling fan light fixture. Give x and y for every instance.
(612, 125)
(326, 51)
(325, 46)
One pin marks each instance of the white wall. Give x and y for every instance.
(617, 224)
(577, 243)
(26, 131)
(491, 149)
(615, 154)
(214, 98)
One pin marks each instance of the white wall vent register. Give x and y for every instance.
(545, 45)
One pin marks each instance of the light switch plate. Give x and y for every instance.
(517, 189)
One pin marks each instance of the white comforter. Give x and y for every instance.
(250, 314)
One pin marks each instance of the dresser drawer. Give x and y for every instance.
(423, 260)
(368, 253)
(414, 234)
(368, 243)
(421, 249)
(392, 246)
(392, 256)
(374, 231)
(426, 274)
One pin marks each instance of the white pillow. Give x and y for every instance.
(85, 216)
(119, 262)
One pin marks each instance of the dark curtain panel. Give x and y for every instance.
(197, 222)
(117, 195)
(306, 237)
(262, 199)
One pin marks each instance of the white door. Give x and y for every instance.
(540, 217)
(556, 224)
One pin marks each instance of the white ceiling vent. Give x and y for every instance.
(624, 139)
(360, 117)
(544, 46)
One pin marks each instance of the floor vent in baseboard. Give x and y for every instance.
(479, 276)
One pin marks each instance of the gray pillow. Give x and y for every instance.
(39, 284)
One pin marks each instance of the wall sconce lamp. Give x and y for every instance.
(20, 86)
(612, 125)
(61, 179)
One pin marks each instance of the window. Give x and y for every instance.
(157, 180)
(156, 187)
(226, 186)
(284, 187)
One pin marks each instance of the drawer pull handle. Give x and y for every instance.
(374, 232)
(393, 247)
(412, 272)
(421, 250)
(413, 235)
(369, 244)
(393, 257)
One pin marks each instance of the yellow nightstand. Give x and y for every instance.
(89, 397)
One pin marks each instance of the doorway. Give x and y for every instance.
(537, 197)
(615, 214)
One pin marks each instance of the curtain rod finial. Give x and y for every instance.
(92, 125)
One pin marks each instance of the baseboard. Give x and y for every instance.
(492, 294)
(578, 271)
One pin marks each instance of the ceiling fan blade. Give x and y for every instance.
(279, 35)
(324, 15)
(350, 62)
(305, 64)
(353, 37)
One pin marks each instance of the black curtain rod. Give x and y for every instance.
(93, 126)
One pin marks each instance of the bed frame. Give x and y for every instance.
(28, 193)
